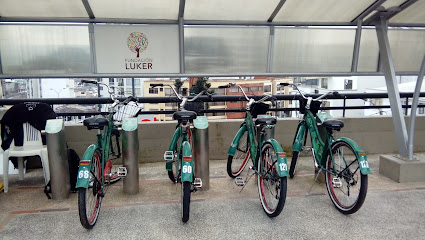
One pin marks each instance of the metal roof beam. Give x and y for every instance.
(23, 20)
(181, 8)
(389, 13)
(178, 75)
(402, 7)
(276, 10)
(368, 10)
(88, 9)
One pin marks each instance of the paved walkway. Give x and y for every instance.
(391, 210)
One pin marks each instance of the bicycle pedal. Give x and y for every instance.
(122, 171)
(306, 149)
(336, 182)
(197, 183)
(169, 156)
(239, 181)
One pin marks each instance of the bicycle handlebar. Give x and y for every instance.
(335, 93)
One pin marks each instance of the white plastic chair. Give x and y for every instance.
(33, 146)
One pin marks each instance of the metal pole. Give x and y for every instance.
(271, 50)
(201, 151)
(130, 149)
(181, 44)
(92, 48)
(58, 159)
(406, 110)
(343, 110)
(415, 101)
(133, 90)
(393, 93)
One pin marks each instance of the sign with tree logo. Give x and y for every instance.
(137, 49)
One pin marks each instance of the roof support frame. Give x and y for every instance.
(368, 10)
(271, 50)
(181, 44)
(391, 82)
(92, 48)
(88, 9)
(415, 101)
(276, 10)
(356, 49)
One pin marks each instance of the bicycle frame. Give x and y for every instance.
(321, 149)
(103, 142)
(255, 150)
(183, 133)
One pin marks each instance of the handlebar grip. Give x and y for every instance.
(89, 81)
(225, 86)
(284, 84)
(273, 100)
(156, 85)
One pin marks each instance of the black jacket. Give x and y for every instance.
(35, 114)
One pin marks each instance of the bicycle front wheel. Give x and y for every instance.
(177, 155)
(236, 163)
(346, 185)
(185, 201)
(271, 187)
(89, 199)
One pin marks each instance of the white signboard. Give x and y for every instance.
(137, 49)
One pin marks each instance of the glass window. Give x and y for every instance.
(153, 90)
(348, 84)
(267, 88)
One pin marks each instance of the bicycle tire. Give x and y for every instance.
(347, 200)
(293, 164)
(90, 199)
(268, 181)
(236, 163)
(185, 201)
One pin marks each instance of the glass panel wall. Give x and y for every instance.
(44, 49)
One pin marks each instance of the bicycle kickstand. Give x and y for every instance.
(241, 182)
(315, 180)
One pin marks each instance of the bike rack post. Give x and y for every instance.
(58, 159)
(201, 151)
(130, 150)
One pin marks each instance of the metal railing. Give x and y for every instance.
(217, 98)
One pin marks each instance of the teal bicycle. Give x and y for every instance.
(268, 158)
(95, 169)
(179, 162)
(342, 160)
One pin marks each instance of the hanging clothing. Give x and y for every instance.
(35, 114)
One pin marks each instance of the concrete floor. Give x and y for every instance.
(391, 210)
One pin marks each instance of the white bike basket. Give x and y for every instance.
(129, 110)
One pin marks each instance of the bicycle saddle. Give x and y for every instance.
(333, 124)
(97, 122)
(265, 121)
(184, 115)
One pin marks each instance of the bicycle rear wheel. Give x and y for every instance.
(89, 199)
(271, 187)
(185, 201)
(236, 163)
(346, 185)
